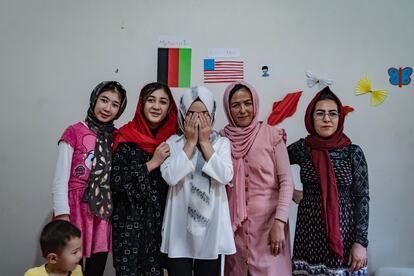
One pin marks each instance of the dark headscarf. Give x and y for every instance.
(318, 148)
(98, 193)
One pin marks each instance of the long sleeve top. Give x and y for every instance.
(178, 171)
(268, 192)
(61, 179)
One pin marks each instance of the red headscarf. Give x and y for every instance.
(318, 149)
(138, 132)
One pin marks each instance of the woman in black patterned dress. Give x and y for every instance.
(332, 222)
(139, 191)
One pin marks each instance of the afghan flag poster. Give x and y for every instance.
(174, 66)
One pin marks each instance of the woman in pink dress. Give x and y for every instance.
(81, 192)
(261, 189)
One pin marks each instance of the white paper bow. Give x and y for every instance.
(313, 80)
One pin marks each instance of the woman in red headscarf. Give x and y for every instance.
(332, 222)
(139, 191)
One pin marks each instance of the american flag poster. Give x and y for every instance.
(223, 70)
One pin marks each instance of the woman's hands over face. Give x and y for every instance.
(191, 128)
(204, 129)
(197, 128)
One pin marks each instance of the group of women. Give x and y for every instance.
(193, 200)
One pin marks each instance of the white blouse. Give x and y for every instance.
(177, 171)
(61, 179)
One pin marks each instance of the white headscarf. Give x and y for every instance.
(201, 202)
(197, 92)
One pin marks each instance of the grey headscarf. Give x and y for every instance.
(201, 199)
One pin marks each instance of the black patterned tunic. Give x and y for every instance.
(139, 201)
(310, 251)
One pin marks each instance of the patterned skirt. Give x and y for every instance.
(311, 255)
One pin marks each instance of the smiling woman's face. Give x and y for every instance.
(156, 108)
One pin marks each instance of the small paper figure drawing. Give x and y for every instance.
(400, 76)
(265, 71)
(364, 86)
(223, 70)
(312, 80)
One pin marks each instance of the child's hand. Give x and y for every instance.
(63, 217)
(160, 154)
(204, 129)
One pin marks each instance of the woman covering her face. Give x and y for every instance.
(196, 228)
(139, 191)
(261, 189)
(332, 222)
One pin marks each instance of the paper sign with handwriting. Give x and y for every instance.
(173, 42)
(224, 52)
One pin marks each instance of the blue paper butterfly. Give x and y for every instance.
(400, 76)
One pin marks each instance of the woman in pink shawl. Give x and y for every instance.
(260, 191)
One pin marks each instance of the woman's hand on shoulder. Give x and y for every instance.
(161, 153)
(357, 257)
(277, 237)
(297, 196)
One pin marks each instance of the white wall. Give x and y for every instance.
(53, 53)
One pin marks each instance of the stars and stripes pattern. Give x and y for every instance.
(221, 70)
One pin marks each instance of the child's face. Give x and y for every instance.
(107, 106)
(156, 108)
(70, 256)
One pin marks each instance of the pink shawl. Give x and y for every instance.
(242, 139)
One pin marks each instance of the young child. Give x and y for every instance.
(60, 242)
(81, 191)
